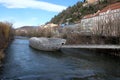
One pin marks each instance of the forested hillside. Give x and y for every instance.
(77, 11)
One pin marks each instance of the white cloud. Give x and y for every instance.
(35, 4)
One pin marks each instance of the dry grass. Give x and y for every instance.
(2, 54)
(6, 34)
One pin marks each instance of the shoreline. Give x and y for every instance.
(2, 55)
(6, 36)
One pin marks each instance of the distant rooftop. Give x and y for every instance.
(111, 7)
(91, 1)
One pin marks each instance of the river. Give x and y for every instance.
(24, 63)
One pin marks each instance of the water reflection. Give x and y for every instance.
(24, 63)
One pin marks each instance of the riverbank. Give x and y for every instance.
(6, 36)
(1, 56)
(25, 63)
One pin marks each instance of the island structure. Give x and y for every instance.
(46, 44)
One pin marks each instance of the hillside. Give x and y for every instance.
(26, 27)
(22, 31)
(77, 11)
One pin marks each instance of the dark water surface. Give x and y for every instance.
(24, 63)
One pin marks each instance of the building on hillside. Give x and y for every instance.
(50, 25)
(91, 1)
(53, 28)
(87, 2)
(111, 12)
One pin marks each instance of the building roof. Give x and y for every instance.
(88, 16)
(109, 7)
(91, 1)
(50, 25)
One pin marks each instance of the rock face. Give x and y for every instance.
(46, 44)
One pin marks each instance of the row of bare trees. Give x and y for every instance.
(38, 32)
(108, 29)
(109, 26)
(105, 30)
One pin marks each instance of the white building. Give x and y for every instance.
(110, 12)
(50, 25)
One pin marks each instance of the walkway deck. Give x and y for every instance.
(92, 46)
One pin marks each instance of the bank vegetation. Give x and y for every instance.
(104, 32)
(6, 35)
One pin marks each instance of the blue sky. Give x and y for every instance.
(31, 12)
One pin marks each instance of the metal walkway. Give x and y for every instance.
(92, 46)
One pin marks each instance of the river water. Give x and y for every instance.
(24, 63)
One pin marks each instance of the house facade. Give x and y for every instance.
(91, 1)
(108, 13)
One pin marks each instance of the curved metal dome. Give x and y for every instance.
(46, 44)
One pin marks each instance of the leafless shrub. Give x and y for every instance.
(6, 34)
(108, 27)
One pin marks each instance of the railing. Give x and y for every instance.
(92, 46)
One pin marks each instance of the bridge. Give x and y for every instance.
(111, 49)
(92, 46)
